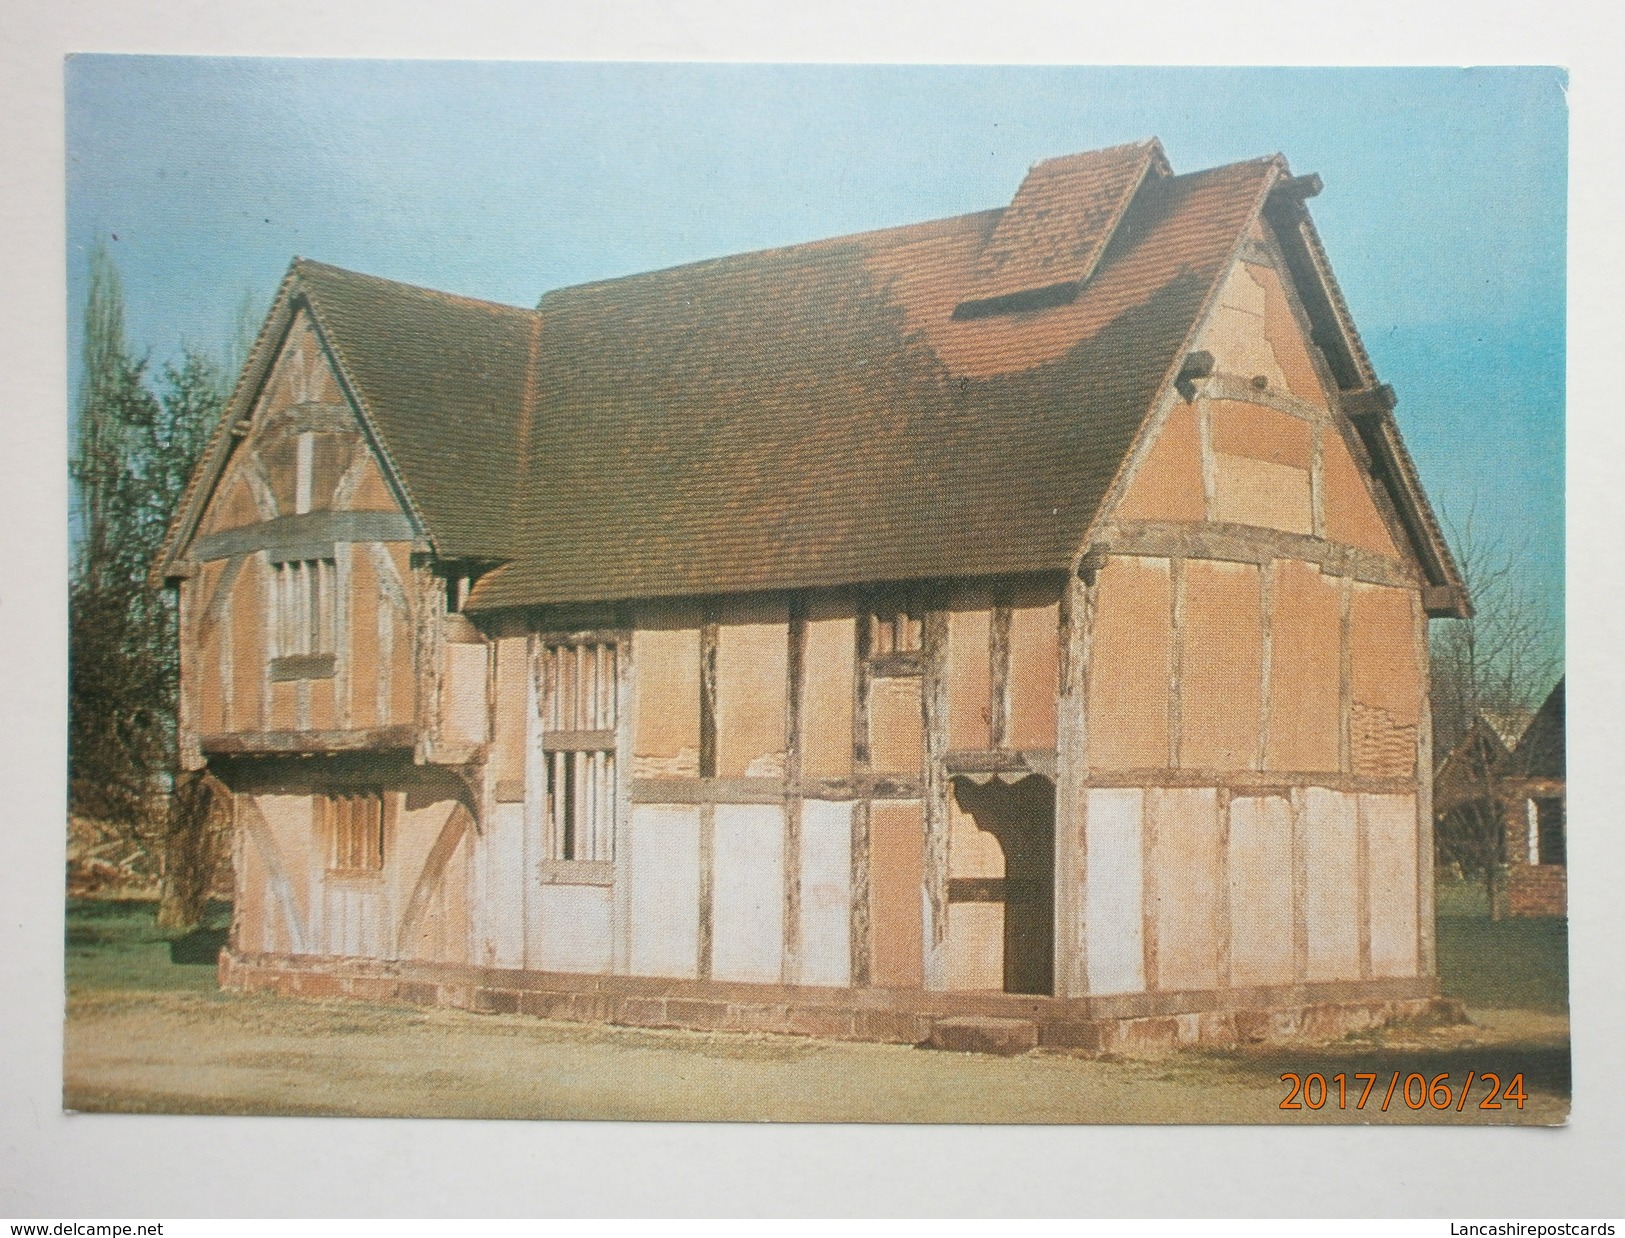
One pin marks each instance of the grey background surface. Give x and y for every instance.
(60, 1166)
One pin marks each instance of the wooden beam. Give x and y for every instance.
(794, 724)
(710, 634)
(934, 718)
(998, 654)
(775, 790)
(285, 535)
(1233, 543)
(248, 743)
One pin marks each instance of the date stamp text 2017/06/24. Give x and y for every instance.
(1415, 1091)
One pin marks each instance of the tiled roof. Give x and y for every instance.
(443, 379)
(1057, 226)
(816, 415)
(1541, 753)
(812, 415)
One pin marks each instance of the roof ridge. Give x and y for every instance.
(304, 264)
(817, 243)
(869, 234)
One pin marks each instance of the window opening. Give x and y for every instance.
(1549, 827)
(305, 596)
(579, 716)
(355, 831)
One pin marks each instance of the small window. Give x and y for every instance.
(896, 631)
(355, 831)
(1551, 844)
(305, 598)
(579, 717)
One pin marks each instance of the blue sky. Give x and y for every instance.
(1443, 212)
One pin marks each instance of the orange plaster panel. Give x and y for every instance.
(329, 458)
(896, 726)
(1351, 513)
(403, 674)
(251, 891)
(364, 604)
(1305, 657)
(323, 715)
(206, 670)
(1222, 666)
(753, 648)
(1187, 860)
(372, 492)
(233, 508)
(1260, 433)
(284, 707)
(1129, 665)
(280, 455)
(826, 709)
(1034, 666)
(1286, 337)
(291, 831)
(896, 882)
(1386, 682)
(1168, 484)
(668, 696)
(970, 680)
(1383, 636)
(510, 716)
(248, 653)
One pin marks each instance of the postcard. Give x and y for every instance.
(817, 593)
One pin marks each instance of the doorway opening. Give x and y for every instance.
(1021, 817)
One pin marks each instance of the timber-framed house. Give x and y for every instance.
(1011, 626)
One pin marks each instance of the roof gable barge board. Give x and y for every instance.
(1371, 413)
(438, 382)
(234, 428)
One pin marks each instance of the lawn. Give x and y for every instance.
(148, 1031)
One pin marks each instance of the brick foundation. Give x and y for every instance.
(1133, 1025)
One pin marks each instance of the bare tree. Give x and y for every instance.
(1490, 672)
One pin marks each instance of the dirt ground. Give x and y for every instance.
(148, 1032)
(181, 1052)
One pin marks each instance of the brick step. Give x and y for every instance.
(983, 1034)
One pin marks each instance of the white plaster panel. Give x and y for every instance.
(1260, 890)
(664, 873)
(826, 892)
(1113, 894)
(466, 706)
(1332, 896)
(1187, 856)
(574, 928)
(500, 933)
(747, 897)
(1390, 822)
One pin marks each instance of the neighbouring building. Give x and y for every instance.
(1533, 784)
(1013, 621)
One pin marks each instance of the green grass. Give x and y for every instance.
(1515, 964)
(116, 944)
(1461, 898)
